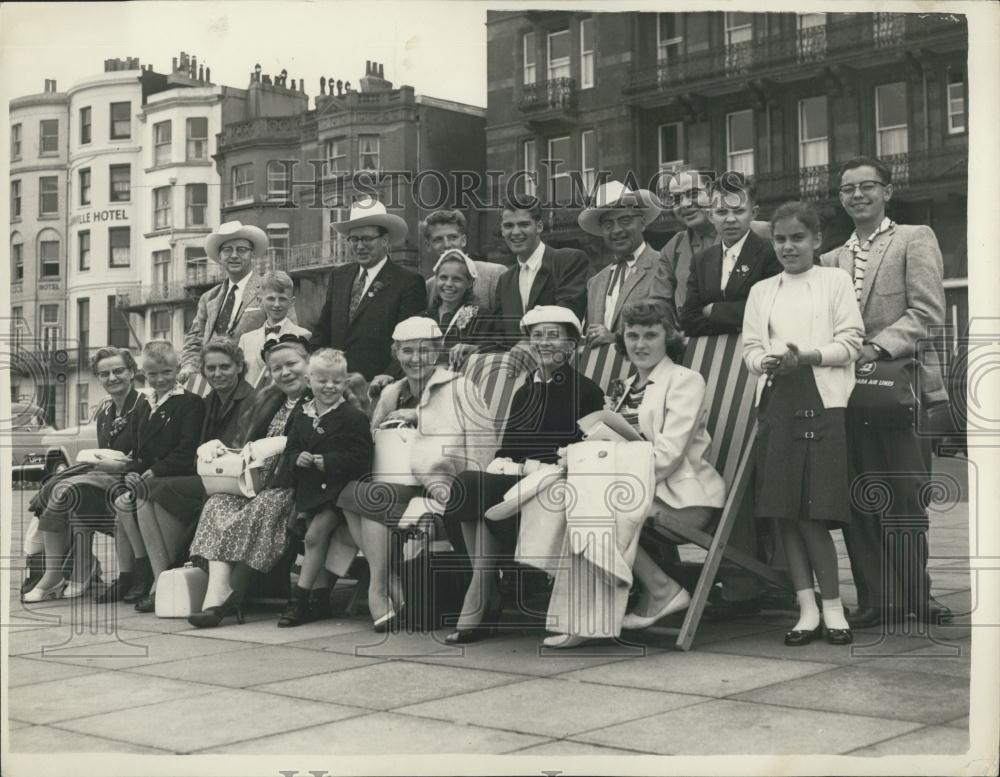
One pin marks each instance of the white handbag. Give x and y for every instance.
(239, 472)
(180, 592)
(392, 456)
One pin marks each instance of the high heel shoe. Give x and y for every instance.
(387, 622)
(74, 589)
(487, 627)
(213, 616)
(39, 594)
(564, 641)
(799, 637)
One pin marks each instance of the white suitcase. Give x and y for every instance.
(180, 592)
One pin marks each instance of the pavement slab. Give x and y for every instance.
(725, 727)
(551, 707)
(389, 684)
(51, 641)
(930, 740)
(771, 645)
(27, 671)
(48, 740)
(387, 733)
(365, 643)
(215, 718)
(144, 650)
(883, 693)
(262, 629)
(569, 747)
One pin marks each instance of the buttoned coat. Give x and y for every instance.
(249, 316)
(647, 281)
(902, 296)
(165, 440)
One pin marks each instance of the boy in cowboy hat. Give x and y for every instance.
(619, 215)
(366, 298)
(233, 307)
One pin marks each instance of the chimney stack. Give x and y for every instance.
(173, 67)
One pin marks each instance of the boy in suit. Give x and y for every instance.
(721, 277)
(277, 296)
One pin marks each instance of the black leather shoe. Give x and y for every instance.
(296, 611)
(839, 636)
(212, 616)
(934, 612)
(723, 610)
(116, 590)
(146, 604)
(798, 638)
(142, 581)
(874, 616)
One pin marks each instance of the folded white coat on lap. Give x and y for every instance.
(97, 455)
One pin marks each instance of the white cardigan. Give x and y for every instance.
(837, 331)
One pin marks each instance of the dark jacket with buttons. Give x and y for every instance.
(166, 441)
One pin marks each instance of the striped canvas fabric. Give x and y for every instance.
(603, 365)
(730, 392)
(198, 385)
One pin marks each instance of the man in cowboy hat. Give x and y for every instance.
(233, 307)
(366, 298)
(619, 215)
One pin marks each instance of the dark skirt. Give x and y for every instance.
(801, 453)
(181, 495)
(80, 496)
(472, 495)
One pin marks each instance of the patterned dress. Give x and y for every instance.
(234, 528)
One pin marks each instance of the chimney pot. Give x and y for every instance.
(173, 67)
(294, 88)
(381, 70)
(322, 84)
(201, 72)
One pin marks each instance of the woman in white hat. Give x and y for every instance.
(453, 304)
(543, 418)
(454, 432)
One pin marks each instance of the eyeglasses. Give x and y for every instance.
(610, 224)
(117, 372)
(866, 187)
(366, 239)
(240, 251)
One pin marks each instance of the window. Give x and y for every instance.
(739, 34)
(195, 265)
(83, 248)
(814, 151)
(17, 333)
(588, 159)
(668, 38)
(17, 260)
(48, 316)
(15, 200)
(196, 204)
(586, 53)
(48, 195)
(671, 152)
(557, 163)
(336, 156)
(739, 142)
(890, 120)
(82, 400)
(118, 334)
(242, 182)
(85, 125)
(121, 183)
(15, 142)
(530, 168)
(121, 121)
(161, 207)
(51, 267)
(197, 138)
(956, 101)
(85, 186)
(528, 45)
(277, 180)
(48, 136)
(161, 325)
(161, 143)
(277, 236)
(558, 54)
(161, 269)
(83, 330)
(812, 36)
(369, 156)
(119, 246)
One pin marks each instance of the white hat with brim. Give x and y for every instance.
(551, 314)
(236, 230)
(614, 195)
(371, 213)
(416, 328)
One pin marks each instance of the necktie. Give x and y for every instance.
(617, 278)
(728, 263)
(272, 330)
(226, 311)
(357, 290)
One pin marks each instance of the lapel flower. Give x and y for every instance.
(464, 316)
(376, 288)
(743, 270)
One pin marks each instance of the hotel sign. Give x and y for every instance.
(95, 216)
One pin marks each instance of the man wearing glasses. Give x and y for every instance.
(897, 271)
(233, 307)
(366, 298)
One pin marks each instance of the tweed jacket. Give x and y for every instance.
(647, 281)
(248, 317)
(902, 297)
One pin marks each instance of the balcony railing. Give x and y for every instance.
(311, 256)
(840, 39)
(209, 275)
(558, 94)
(273, 128)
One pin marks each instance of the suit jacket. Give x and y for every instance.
(902, 296)
(395, 294)
(251, 344)
(166, 441)
(484, 287)
(728, 305)
(647, 281)
(561, 280)
(249, 316)
(673, 415)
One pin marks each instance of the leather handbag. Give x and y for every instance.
(884, 396)
(392, 456)
(180, 592)
(221, 475)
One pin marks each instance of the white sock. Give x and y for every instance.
(808, 611)
(833, 614)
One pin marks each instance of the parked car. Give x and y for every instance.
(38, 448)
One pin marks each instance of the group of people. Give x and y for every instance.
(388, 351)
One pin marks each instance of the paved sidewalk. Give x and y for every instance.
(89, 678)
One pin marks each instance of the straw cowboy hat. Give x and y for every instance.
(233, 230)
(371, 213)
(614, 195)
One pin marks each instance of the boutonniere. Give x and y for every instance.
(376, 288)
(742, 270)
(464, 316)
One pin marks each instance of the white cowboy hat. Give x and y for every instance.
(233, 230)
(551, 314)
(416, 328)
(615, 195)
(371, 213)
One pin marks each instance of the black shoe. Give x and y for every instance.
(798, 638)
(487, 627)
(116, 590)
(934, 612)
(296, 611)
(867, 617)
(213, 616)
(146, 604)
(142, 581)
(723, 610)
(839, 636)
(319, 604)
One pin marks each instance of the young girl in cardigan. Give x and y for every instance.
(801, 334)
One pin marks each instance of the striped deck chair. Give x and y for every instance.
(732, 425)
(198, 385)
(603, 365)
